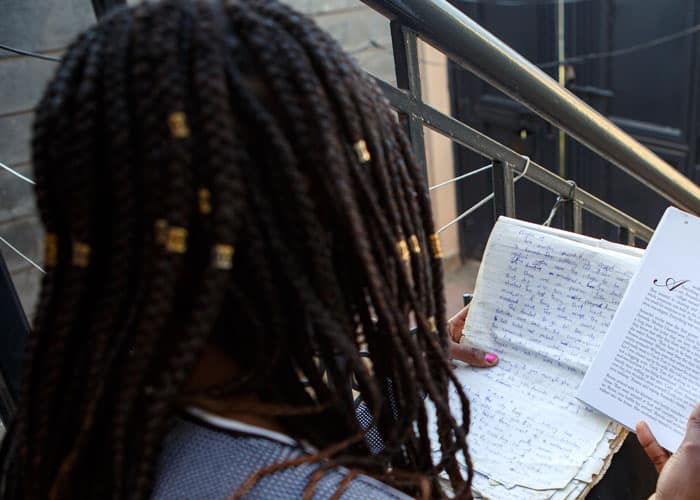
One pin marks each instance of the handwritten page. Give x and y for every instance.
(594, 467)
(648, 367)
(543, 301)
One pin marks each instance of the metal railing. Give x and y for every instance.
(471, 46)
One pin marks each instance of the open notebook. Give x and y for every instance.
(543, 301)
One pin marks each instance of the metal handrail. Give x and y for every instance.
(478, 142)
(470, 45)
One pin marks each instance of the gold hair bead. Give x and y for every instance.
(81, 254)
(161, 231)
(50, 250)
(435, 247)
(177, 122)
(403, 250)
(223, 256)
(176, 241)
(204, 196)
(361, 151)
(432, 325)
(415, 245)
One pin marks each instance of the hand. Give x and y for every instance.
(679, 474)
(469, 355)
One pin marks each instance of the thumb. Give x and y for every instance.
(692, 430)
(473, 357)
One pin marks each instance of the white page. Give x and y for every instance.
(483, 487)
(648, 367)
(546, 319)
(581, 238)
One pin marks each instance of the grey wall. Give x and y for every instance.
(44, 26)
(47, 26)
(354, 25)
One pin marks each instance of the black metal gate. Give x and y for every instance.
(635, 61)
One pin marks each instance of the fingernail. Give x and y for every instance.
(490, 358)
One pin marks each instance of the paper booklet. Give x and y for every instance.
(648, 367)
(543, 301)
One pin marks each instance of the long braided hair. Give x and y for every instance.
(221, 173)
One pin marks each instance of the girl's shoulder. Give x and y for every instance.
(201, 460)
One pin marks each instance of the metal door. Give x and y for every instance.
(637, 65)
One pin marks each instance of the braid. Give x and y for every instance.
(332, 326)
(224, 162)
(44, 124)
(148, 126)
(165, 264)
(75, 307)
(114, 243)
(315, 42)
(292, 57)
(60, 306)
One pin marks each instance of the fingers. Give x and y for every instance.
(455, 333)
(469, 355)
(692, 430)
(456, 324)
(473, 357)
(652, 448)
(461, 315)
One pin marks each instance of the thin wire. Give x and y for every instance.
(374, 44)
(553, 212)
(14, 249)
(560, 201)
(28, 53)
(369, 44)
(459, 178)
(465, 214)
(627, 50)
(485, 200)
(524, 172)
(17, 174)
(10, 245)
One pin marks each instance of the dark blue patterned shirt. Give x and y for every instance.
(211, 459)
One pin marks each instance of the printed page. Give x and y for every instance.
(543, 302)
(649, 365)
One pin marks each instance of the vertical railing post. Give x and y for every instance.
(571, 216)
(578, 216)
(405, 46)
(15, 330)
(622, 235)
(101, 7)
(626, 237)
(572, 213)
(503, 189)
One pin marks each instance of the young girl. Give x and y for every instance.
(237, 242)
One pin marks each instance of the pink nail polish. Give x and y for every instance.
(490, 358)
